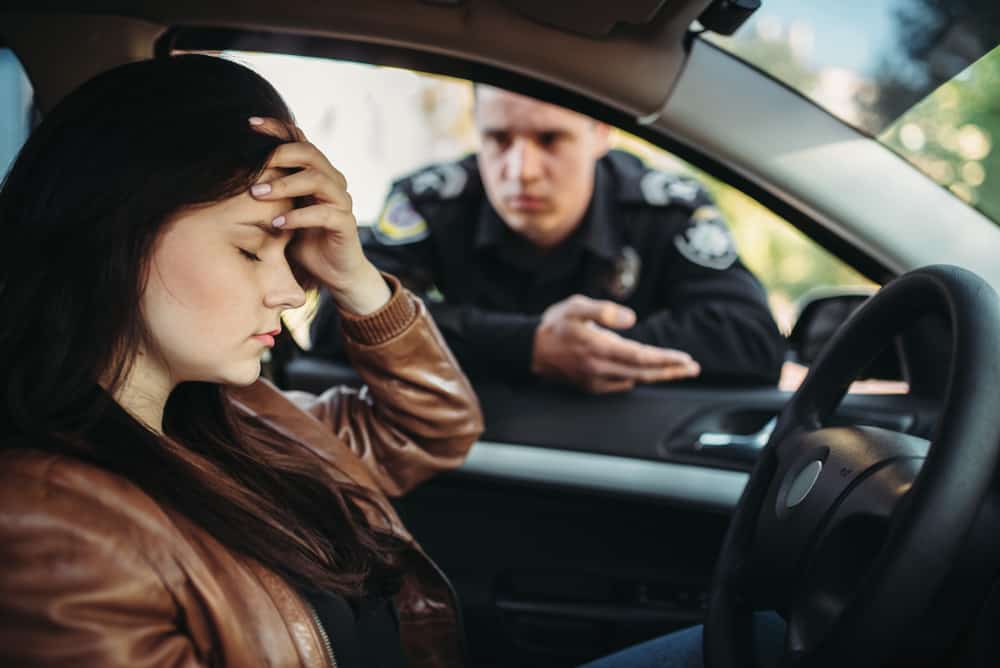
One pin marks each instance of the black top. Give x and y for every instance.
(363, 634)
(650, 240)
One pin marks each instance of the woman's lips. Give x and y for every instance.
(267, 338)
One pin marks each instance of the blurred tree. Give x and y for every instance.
(953, 135)
(935, 40)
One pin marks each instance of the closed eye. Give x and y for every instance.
(253, 257)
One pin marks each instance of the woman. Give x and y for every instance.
(159, 504)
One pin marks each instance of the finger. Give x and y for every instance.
(317, 216)
(277, 128)
(607, 344)
(308, 182)
(680, 372)
(604, 312)
(305, 154)
(607, 386)
(612, 370)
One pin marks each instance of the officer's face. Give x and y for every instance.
(537, 163)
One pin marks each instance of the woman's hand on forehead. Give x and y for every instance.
(326, 242)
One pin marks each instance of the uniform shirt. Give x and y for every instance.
(650, 240)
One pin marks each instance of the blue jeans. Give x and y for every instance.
(682, 649)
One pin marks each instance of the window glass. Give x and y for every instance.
(953, 135)
(865, 61)
(16, 103)
(378, 124)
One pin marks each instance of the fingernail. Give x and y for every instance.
(279, 221)
(259, 189)
(624, 317)
(256, 120)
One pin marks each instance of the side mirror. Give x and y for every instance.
(821, 313)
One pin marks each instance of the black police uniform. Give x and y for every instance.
(650, 240)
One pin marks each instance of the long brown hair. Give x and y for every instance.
(80, 212)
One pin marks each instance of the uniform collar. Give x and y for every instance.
(490, 228)
(595, 233)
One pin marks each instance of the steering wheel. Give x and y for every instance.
(849, 531)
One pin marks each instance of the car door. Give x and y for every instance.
(579, 524)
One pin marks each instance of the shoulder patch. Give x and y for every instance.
(400, 223)
(706, 240)
(445, 181)
(662, 189)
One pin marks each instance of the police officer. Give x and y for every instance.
(548, 255)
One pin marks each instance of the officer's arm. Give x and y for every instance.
(483, 341)
(716, 310)
(487, 342)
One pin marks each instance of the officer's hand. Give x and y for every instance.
(326, 243)
(574, 343)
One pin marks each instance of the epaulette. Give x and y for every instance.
(640, 185)
(401, 221)
(447, 180)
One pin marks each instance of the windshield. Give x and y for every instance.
(921, 76)
(953, 135)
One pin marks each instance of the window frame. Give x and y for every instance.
(221, 39)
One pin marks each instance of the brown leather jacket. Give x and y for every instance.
(94, 572)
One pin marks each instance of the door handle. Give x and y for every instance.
(740, 446)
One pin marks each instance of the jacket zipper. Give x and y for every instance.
(330, 655)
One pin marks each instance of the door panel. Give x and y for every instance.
(662, 422)
(580, 524)
(556, 576)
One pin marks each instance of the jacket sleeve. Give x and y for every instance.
(80, 593)
(417, 413)
(734, 342)
(714, 308)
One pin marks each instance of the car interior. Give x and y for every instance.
(582, 524)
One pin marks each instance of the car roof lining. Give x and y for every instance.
(123, 39)
(691, 125)
(596, 18)
(633, 66)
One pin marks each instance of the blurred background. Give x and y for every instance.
(917, 75)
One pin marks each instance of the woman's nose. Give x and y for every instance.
(285, 292)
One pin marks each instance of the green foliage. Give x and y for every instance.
(952, 135)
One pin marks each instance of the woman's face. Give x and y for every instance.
(218, 282)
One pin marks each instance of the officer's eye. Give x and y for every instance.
(498, 139)
(549, 139)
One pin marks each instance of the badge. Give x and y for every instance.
(446, 181)
(684, 191)
(706, 240)
(653, 186)
(662, 188)
(625, 278)
(400, 222)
